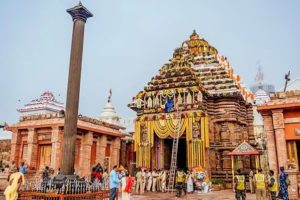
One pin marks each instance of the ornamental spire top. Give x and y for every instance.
(79, 12)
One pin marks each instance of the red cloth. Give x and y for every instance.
(129, 184)
(98, 175)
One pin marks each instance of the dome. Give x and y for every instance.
(109, 113)
(261, 97)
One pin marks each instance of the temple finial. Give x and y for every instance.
(194, 35)
(109, 96)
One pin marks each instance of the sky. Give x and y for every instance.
(127, 41)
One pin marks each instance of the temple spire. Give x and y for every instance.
(109, 96)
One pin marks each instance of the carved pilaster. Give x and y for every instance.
(278, 122)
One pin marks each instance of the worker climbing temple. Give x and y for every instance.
(197, 97)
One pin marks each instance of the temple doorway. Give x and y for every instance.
(44, 156)
(181, 155)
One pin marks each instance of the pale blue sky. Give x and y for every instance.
(127, 41)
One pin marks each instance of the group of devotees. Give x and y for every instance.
(147, 180)
(265, 188)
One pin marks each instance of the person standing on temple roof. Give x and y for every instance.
(154, 177)
(149, 180)
(273, 185)
(239, 186)
(23, 168)
(251, 175)
(113, 183)
(284, 183)
(260, 185)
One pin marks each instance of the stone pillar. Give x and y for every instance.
(293, 188)
(32, 148)
(278, 122)
(85, 155)
(115, 157)
(101, 147)
(56, 141)
(15, 147)
(271, 145)
(79, 15)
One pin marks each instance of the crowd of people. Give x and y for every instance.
(264, 186)
(146, 180)
(186, 182)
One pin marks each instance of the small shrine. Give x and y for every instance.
(45, 104)
(197, 97)
(243, 149)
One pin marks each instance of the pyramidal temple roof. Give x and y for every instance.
(244, 149)
(196, 65)
(46, 104)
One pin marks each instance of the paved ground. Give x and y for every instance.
(216, 195)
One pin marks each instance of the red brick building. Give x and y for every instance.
(282, 128)
(38, 137)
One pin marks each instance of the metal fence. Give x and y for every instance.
(103, 195)
(63, 190)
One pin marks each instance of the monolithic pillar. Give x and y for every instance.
(101, 147)
(56, 148)
(79, 14)
(85, 154)
(278, 121)
(271, 142)
(32, 148)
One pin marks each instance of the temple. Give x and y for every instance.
(46, 104)
(195, 97)
(281, 117)
(37, 138)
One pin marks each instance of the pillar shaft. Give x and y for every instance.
(271, 144)
(278, 122)
(85, 155)
(15, 147)
(32, 148)
(79, 14)
(115, 157)
(101, 147)
(56, 148)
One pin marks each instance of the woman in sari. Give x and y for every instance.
(14, 182)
